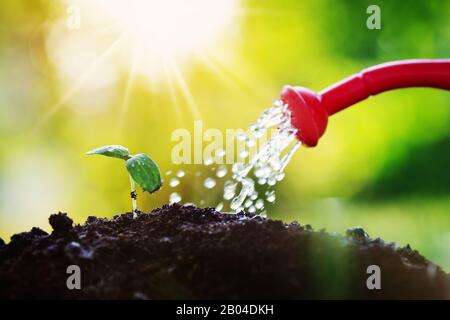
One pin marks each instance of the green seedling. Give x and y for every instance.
(141, 169)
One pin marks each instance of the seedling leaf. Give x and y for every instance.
(114, 151)
(144, 171)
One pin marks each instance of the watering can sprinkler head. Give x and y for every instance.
(308, 115)
(310, 110)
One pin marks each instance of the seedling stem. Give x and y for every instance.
(134, 198)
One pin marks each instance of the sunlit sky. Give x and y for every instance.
(138, 37)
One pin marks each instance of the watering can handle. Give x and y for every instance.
(434, 73)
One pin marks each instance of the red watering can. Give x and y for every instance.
(310, 110)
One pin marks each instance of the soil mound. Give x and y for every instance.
(188, 252)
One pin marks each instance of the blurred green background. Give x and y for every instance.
(383, 164)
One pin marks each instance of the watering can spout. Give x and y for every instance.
(310, 110)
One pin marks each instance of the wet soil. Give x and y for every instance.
(188, 252)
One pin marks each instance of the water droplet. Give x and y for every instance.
(209, 183)
(259, 132)
(241, 136)
(259, 204)
(174, 182)
(243, 154)
(208, 162)
(247, 188)
(188, 204)
(219, 206)
(229, 190)
(248, 203)
(238, 209)
(168, 173)
(252, 209)
(262, 172)
(271, 181)
(271, 197)
(174, 198)
(221, 171)
(220, 153)
(181, 174)
(237, 167)
(262, 181)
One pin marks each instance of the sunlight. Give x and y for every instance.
(185, 90)
(167, 28)
(128, 89)
(89, 76)
(151, 34)
(173, 96)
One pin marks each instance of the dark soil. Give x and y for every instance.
(187, 252)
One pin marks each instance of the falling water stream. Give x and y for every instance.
(265, 151)
(266, 166)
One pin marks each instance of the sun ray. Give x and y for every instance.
(227, 71)
(129, 86)
(185, 90)
(76, 86)
(173, 94)
(216, 69)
